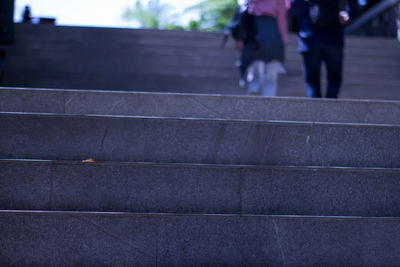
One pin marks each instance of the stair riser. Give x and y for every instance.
(194, 189)
(197, 106)
(62, 137)
(66, 240)
(176, 38)
(190, 86)
(207, 70)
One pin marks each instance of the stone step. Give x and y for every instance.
(206, 85)
(82, 50)
(124, 81)
(197, 79)
(189, 85)
(355, 79)
(348, 91)
(204, 39)
(133, 45)
(188, 66)
(198, 189)
(141, 139)
(68, 239)
(197, 106)
(175, 61)
(126, 40)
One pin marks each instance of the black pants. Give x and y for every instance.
(333, 59)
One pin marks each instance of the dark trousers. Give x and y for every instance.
(333, 59)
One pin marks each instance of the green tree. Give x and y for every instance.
(152, 16)
(214, 14)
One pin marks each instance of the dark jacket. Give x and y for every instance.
(311, 35)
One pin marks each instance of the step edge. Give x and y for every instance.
(132, 214)
(210, 120)
(176, 94)
(198, 165)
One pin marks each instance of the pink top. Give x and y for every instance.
(275, 8)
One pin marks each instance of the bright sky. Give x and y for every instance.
(100, 13)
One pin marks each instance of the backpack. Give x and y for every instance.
(325, 13)
(241, 26)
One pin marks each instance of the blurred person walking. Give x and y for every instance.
(321, 39)
(26, 15)
(262, 53)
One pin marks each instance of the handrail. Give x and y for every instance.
(370, 14)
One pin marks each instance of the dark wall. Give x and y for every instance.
(6, 21)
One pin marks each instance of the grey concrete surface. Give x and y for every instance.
(195, 232)
(176, 37)
(66, 239)
(164, 59)
(139, 139)
(197, 106)
(174, 61)
(119, 187)
(171, 188)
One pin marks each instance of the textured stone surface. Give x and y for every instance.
(25, 186)
(76, 240)
(82, 239)
(41, 101)
(356, 146)
(193, 233)
(170, 61)
(110, 138)
(146, 189)
(197, 106)
(381, 110)
(322, 192)
(198, 189)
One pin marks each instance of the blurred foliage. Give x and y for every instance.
(154, 15)
(172, 26)
(193, 25)
(214, 14)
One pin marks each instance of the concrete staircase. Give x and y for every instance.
(176, 61)
(184, 179)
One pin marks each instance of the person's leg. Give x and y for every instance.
(272, 70)
(312, 71)
(255, 77)
(333, 58)
(398, 21)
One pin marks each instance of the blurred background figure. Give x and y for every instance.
(26, 16)
(398, 21)
(262, 52)
(321, 40)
